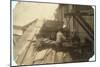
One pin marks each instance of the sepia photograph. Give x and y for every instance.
(52, 33)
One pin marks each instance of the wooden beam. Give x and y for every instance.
(85, 26)
(79, 14)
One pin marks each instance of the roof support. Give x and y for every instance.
(85, 26)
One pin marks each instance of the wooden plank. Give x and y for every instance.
(28, 58)
(59, 57)
(79, 14)
(49, 57)
(67, 57)
(23, 39)
(40, 55)
(28, 35)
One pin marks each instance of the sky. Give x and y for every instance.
(25, 12)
